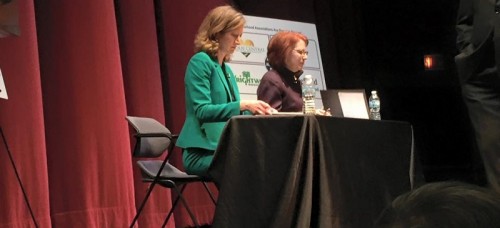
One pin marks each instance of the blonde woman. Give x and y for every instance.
(212, 95)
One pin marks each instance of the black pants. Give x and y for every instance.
(482, 96)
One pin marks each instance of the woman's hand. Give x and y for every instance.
(323, 112)
(257, 107)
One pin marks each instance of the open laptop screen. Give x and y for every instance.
(349, 103)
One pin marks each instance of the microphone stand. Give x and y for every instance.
(18, 179)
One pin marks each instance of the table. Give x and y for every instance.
(309, 171)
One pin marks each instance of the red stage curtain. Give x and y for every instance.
(88, 147)
(141, 73)
(78, 68)
(21, 118)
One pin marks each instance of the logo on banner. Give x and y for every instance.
(247, 79)
(247, 47)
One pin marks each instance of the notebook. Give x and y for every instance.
(349, 103)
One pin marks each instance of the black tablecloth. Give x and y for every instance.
(309, 171)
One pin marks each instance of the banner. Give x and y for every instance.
(248, 61)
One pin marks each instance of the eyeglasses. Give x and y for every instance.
(302, 52)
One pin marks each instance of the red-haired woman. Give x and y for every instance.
(280, 86)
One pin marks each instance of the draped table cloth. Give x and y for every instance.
(309, 171)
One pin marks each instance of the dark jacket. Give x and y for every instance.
(477, 22)
(281, 90)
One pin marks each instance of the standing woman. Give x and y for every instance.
(212, 96)
(280, 87)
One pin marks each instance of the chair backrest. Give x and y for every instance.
(152, 138)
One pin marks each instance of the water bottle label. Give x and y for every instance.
(309, 106)
(374, 103)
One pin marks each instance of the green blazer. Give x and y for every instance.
(209, 103)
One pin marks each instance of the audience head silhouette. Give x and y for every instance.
(443, 205)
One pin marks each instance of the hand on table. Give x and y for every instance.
(323, 112)
(257, 107)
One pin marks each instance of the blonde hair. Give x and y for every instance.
(219, 20)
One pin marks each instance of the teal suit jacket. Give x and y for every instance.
(209, 103)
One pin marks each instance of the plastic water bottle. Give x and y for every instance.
(374, 103)
(308, 94)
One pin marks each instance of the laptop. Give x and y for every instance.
(350, 103)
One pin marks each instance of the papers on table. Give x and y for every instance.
(288, 113)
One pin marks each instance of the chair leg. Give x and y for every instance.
(179, 196)
(173, 207)
(209, 192)
(143, 203)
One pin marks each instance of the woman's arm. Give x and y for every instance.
(201, 93)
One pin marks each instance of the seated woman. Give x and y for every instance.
(280, 86)
(212, 96)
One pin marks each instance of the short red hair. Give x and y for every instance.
(280, 45)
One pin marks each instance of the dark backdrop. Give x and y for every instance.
(78, 68)
(366, 44)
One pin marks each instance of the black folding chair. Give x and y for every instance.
(152, 140)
